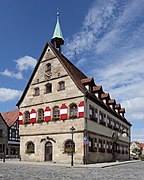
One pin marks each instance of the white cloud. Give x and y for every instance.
(11, 74)
(25, 63)
(135, 105)
(124, 81)
(22, 64)
(138, 116)
(7, 94)
(81, 62)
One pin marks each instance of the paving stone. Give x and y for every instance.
(39, 171)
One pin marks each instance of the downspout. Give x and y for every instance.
(85, 139)
(129, 140)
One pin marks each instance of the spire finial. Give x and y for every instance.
(57, 39)
(58, 12)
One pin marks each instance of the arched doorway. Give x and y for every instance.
(48, 151)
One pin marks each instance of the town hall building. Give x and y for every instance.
(63, 114)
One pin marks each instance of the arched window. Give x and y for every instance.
(40, 115)
(26, 116)
(56, 113)
(61, 85)
(73, 111)
(36, 91)
(69, 146)
(30, 147)
(48, 88)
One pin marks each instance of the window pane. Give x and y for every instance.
(73, 111)
(61, 85)
(40, 114)
(56, 113)
(48, 88)
(36, 92)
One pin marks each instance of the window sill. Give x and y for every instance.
(61, 89)
(35, 95)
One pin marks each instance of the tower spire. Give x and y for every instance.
(57, 39)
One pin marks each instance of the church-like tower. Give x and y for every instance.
(57, 39)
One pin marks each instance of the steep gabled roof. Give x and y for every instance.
(72, 70)
(76, 75)
(10, 117)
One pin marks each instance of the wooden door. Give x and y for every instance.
(48, 151)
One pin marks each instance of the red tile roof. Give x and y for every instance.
(122, 110)
(117, 106)
(111, 101)
(88, 81)
(105, 96)
(10, 117)
(97, 89)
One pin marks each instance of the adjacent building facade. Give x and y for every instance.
(13, 140)
(59, 97)
(3, 137)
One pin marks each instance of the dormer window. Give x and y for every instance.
(36, 91)
(61, 85)
(48, 88)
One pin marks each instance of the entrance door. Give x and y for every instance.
(48, 151)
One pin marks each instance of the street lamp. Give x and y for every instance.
(4, 134)
(72, 132)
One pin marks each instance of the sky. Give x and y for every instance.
(103, 38)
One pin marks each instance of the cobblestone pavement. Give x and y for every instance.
(27, 171)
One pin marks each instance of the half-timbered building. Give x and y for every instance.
(13, 139)
(3, 136)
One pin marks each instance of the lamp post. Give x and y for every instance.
(4, 134)
(72, 132)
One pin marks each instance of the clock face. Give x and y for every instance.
(47, 75)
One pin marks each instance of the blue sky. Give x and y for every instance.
(104, 38)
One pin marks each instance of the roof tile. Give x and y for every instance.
(10, 117)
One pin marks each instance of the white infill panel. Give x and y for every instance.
(81, 109)
(33, 115)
